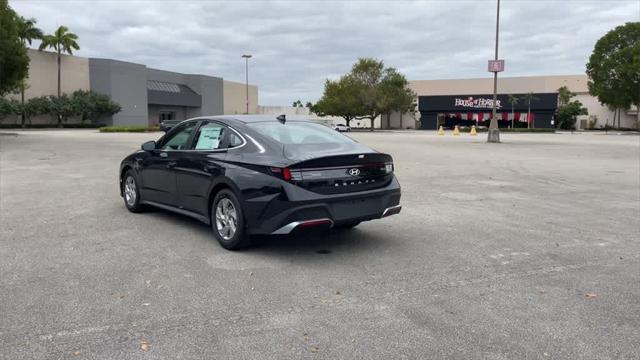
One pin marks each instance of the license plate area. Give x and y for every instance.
(356, 208)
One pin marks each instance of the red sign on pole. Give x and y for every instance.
(496, 65)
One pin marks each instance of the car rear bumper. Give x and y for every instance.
(298, 208)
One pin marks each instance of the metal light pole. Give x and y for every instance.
(247, 57)
(494, 131)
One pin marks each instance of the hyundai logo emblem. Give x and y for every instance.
(354, 172)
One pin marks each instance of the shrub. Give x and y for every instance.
(92, 106)
(7, 107)
(88, 105)
(49, 126)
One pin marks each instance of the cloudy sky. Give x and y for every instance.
(298, 44)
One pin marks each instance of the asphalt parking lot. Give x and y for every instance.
(525, 249)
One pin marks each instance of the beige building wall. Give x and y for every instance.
(43, 74)
(506, 85)
(518, 85)
(234, 95)
(43, 78)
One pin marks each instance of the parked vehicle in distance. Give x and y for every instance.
(166, 125)
(341, 128)
(247, 175)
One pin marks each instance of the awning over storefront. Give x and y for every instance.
(165, 93)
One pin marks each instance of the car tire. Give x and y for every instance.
(348, 225)
(227, 221)
(131, 192)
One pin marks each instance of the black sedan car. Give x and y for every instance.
(247, 175)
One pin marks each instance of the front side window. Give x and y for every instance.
(210, 136)
(180, 139)
(299, 133)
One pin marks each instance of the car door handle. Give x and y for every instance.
(171, 164)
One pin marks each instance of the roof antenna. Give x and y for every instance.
(282, 118)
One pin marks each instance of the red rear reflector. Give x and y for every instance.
(315, 223)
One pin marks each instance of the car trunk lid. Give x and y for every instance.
(338, 168)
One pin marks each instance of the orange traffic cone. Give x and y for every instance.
(473, 131)
(456, 131)
(441, 131)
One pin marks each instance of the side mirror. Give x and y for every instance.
(149, 145)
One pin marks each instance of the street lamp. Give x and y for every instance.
(494, 131)
(247, 57)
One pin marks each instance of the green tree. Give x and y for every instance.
(566, 116)
(528, 98)
(366, 92)
(62, 41)
(564, 95)
(513, 100)
(297, 104)
(568, 110)
(395, 94)
(339, 99)
(14, 61)
(27, 32)
(368, 74)
(614, 68)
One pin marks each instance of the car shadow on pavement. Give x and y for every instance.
(322, 242)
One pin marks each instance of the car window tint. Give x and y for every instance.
(180, 139)
(234, 139)
(299, 133)
(209, 137)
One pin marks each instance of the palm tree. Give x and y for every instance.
(529, 98)
(62, 41)
(513, 100)
(27, 32)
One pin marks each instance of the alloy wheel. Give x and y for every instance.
(226, 219)
(130, 194)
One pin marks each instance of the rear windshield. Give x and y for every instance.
(299, 133)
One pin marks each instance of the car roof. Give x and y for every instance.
(253, 118)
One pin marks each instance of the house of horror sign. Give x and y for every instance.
(476, 103)
(467, 110)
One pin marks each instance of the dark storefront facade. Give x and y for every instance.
(467, 110)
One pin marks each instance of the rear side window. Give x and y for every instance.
(234, 140)
(299, 133)
(209, 137)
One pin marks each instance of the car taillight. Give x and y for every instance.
(284, 173)
(388, 167)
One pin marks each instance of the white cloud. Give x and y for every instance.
(296, 45)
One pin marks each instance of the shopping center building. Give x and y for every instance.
(470, 102)
(146, 95)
